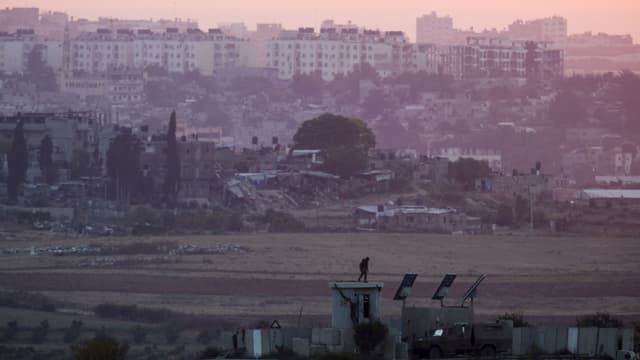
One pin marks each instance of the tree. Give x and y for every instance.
(505, 215)
(308, 85)
(567, 109)
(599, 319)
(368, 335)
(466, 171)
(172, 176)
(18, 162)
(518, 319)
(123, 164)
(38, 72)
(345, 142)
(630, 95)
(101, 348)
(80, 164)
(377, 103)
(45, 160)
(531, 64)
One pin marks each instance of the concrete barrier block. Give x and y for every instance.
(316, 349)
(301, 347)
(587, 340)
(330, 336)
(316, 336)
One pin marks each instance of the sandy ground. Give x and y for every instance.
(549, 278)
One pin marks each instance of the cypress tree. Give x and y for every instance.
(45, 159)
(18, 162)
(172, 176)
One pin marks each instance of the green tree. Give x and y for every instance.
(101, 348)
(45, 160)
(368, 335)
(345, 142)
(38, 72)
(172, 176)
(567, 109)
(465, 171)
(123, 164)
(18, 162)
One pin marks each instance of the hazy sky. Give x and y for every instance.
(613, 16)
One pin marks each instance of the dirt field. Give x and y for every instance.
(548, 279)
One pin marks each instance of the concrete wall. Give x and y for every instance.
(581, 341)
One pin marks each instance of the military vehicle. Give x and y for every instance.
(484, 339)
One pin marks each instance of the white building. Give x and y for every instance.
(15, 50)
(552, 29)
(434, 29)
(332, 52)
(174, 51)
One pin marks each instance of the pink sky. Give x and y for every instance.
(613, 16)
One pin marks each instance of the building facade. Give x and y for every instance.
(434, 29)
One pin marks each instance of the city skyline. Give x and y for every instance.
(588, 16)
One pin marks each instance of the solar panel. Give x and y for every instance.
(404, 290)
(443, 288)
(472, 291)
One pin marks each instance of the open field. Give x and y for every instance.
(549, 279)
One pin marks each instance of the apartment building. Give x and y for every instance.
(493, 57)
(553, 29)
(16, 47)
(332, 52)
(434, 29)
(172, 50)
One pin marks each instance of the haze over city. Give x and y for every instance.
(617, 16)
(327, 180)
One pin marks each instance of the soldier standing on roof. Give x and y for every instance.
(364, 269)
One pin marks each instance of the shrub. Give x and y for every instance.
(367, 336)
(102, 347)
(599, 319)
(282, 222)
(26, 300)
(518, 319)
(133, 313)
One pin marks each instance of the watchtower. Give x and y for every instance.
(354, 302)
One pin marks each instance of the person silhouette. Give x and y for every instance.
(364, 269)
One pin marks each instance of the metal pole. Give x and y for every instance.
(530, 209)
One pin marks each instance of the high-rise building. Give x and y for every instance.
(434, 29)
(552, 29)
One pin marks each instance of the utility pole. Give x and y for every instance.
(530, 209)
